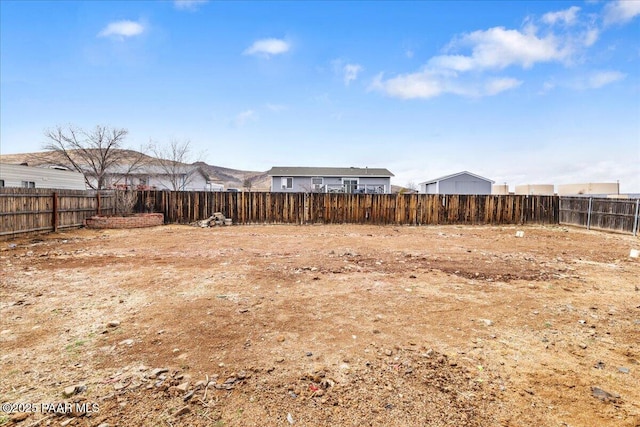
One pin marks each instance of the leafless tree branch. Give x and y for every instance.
(91, 152)
(174, 160)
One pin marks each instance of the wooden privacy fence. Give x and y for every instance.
(601, 213)
(25, 210)
(304, 208)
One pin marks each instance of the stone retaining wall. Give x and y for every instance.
(133, 221)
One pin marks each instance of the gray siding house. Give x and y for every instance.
(154, 177)
(330, 180)
(36, 177)
(458, 183)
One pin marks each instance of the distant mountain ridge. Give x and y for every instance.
(230, 178)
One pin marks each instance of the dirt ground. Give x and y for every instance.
(320, 326)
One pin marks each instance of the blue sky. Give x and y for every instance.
(520, 92)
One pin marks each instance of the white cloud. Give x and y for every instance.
(499, 48)
(621, 11)
(267, 47)
(603, 78)
(427, 84)
(547, 87)
(122, 29)
(348, 72)
(567, 17)
(188, 4)
(590, 37)
(351, 72)
(422, 84)
(587, 81)
(242, 118)
(471, 63)
(495, 86)
(276, 108)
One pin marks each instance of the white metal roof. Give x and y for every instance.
(442, 178)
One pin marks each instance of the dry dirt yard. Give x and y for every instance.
(321, 326)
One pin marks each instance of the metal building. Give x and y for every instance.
(458, 183)
(535, 189)
(34, 177)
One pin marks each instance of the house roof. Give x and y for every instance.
(152, 169)
(340, 172)
(442, 178)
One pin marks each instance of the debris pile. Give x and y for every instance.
(216, 219)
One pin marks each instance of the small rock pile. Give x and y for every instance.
(216, 219)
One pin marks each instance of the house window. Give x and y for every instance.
(316, 183)
(287, 183)
(1, 183)
(28, 184)
(144, 181)
(350, 185)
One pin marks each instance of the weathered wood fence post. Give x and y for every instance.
(54, 219)
(635, 219)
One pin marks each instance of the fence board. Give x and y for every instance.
(26, 210)
(23, 210)
(619, 215)
(300, 208)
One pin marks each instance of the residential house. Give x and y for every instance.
(458, 183)
(38, 177)
(156, 177)
(329, 180)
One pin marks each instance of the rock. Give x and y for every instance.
(66, 422)
(158, 371)
(19, 417)
(128, 342)
(183, 387)
(388, 352)
(113, 324)
(280, 360)
(582, 346)
(69, 391)
(604, 395)
(280, 338)
(104, 425)
(182, 411)
(290, 418)
(486, 322)
(623, 370)
(188, 395)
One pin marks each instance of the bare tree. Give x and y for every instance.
(247, 183)
(174, 161)
(91, 152)
(411, 186)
